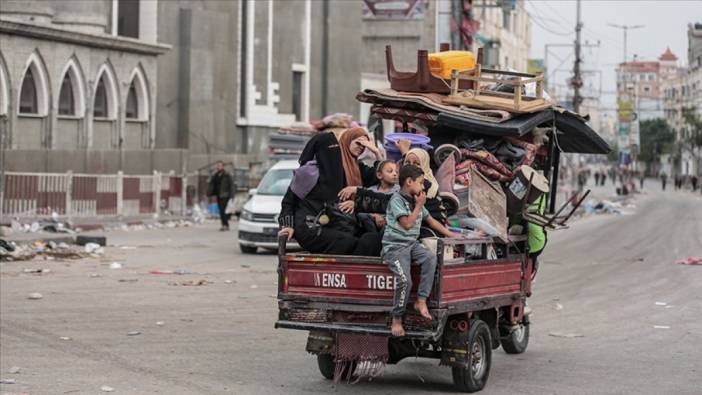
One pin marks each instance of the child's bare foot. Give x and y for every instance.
(421, 306)
(397, 329)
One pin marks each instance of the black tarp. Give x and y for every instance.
(574, 135)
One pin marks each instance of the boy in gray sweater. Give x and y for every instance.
(404, 216)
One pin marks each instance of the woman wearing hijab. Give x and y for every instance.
(315, 220)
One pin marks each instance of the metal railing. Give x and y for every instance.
(90, 195)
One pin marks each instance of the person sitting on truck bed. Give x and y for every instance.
(387, 173)
(315, 221)
(372, 202)
(401, 247)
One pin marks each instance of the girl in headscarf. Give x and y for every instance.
(311, 221)
(420, 158)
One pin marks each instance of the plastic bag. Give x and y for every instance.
(231, 207)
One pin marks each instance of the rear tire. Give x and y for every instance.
(327, 366)
(475, 376)
(248, 249)
(517, 341)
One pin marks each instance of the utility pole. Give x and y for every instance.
(546, 52)
(625, 28)
(577, 81)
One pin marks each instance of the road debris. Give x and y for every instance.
(14, 370)
(133, 333)
(661, 327)
(191, 283)
(34, 296)
(94, 249)
(558, 307)
(228, 281)
(661, 304)
(179, 272)
(128, 280)
(565, 335)
(39, 271)
(95, 275)
(107, 388)
(160, 323)
(115, 265)
(690, 261)
(66, 338)
(8, 381)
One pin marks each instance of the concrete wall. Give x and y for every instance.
(197, 98)
(91, 161)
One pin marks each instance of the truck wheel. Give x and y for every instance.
(327, 366)
(517, 341)
(248, 249)
(474, 377)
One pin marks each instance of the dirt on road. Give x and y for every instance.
(187, 313)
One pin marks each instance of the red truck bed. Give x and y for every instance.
(354, 294)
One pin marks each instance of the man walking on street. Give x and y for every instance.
(221, 187)
(664, 178)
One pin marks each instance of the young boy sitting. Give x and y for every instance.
(401, 248)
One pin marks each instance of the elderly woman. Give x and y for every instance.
(315, 220)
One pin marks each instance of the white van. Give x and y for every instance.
(258, 223)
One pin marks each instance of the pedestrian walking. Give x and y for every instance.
(597, 178)
(664, 178)
(641, 180)
(694, 183)
(221, 187)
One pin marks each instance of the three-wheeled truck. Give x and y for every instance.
(480, 286)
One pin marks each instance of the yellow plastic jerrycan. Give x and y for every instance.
(442, 63)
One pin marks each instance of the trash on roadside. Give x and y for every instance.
(177, 272)
(8, 381)
(107, 388)
(36, 271)
(565, 335)
(558, 307)
(661, 304)
(94, 248)
(228, 281)
(661, 327)
(160, 323)
(133, 333)
(66, 338)
(85, 240)
(115, 265)
(690, 261)
(191, 283)
(34, 296)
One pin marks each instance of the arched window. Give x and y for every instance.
(100, 109)
(28, 94)
(4, 87)
(67, 104)
(34, 89)
(137, 106)
(132, 109)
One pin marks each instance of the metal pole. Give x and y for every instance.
(577, 79)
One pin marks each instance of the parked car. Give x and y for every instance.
(258, 223)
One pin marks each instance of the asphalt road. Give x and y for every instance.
(601, 280)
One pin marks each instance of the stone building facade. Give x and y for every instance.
(143, 85)
(77, 92)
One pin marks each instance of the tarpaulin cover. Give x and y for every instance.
(574, 135)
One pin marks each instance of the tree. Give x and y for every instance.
(656, 139)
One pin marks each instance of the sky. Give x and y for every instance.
(665, 24)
